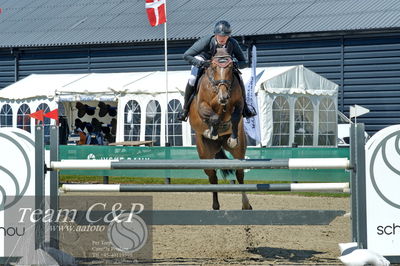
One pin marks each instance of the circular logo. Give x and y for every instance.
(384, 169)
(91, 156)
(16, 165)
(128, 233)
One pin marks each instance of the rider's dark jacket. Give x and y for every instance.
(207, 47)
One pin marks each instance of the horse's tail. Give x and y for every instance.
(225, 172)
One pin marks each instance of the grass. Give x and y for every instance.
(154, 180)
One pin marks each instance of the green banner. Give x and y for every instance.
(187, 153)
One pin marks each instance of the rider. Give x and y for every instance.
(202, 51)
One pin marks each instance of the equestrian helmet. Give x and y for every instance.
(222, 28)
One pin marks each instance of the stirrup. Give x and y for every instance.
(183, 116)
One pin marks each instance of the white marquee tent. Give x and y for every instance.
(291, 97)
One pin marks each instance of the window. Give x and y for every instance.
(281, 122)
(6, 116)
(46, 123)
(61, 109)
(132, 121)
(174, 125)
(153, 122)
(303, 122)
(23, 120)
(327, 123)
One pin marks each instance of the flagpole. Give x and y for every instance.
(166, 74)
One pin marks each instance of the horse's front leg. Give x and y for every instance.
(212, 119)
(235, 119)
(208, 151)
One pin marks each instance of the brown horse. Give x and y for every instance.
(216, 117)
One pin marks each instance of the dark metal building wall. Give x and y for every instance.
(7, 68)
(53, 61)
(148, 57)
(372, 78)
(320, 55)
(100, 59)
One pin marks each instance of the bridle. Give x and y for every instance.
(222, 62)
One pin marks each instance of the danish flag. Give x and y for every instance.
(156, 12)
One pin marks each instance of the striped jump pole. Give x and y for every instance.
(292, 163)
(299, 187)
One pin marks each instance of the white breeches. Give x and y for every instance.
(194, 71)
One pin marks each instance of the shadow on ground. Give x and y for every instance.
(291, 255)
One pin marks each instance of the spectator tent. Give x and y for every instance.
(296, 107)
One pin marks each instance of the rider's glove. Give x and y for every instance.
(235, 63)
(197, 63)
(206, 64)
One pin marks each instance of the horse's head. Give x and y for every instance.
(220, 74)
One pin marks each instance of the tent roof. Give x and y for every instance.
(70, 87)
(295, 80)
(95, 83)
(154, 83)
(33, 86)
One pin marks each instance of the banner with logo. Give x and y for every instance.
(252, 125)
(382, 191)
(17, 165)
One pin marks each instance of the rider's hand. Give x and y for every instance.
(206, 64)
(235, 63)
(197, 63)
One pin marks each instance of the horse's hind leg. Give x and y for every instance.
(240, 178)
(238, 153)
(213, 179)
(245, 200)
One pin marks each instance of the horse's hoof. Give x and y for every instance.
(208, 134)
(247, 207)
(232, 143)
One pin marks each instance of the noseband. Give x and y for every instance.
(222, 62)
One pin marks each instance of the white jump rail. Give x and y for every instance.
(299, 187)
(293, 163)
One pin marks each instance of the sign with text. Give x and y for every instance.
(17, 168)
(383, 198)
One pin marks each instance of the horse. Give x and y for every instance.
(215, 115)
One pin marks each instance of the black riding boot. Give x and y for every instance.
(189, 91)
(247, 112)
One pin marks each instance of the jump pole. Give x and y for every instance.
(292, 163)
(299, 187)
